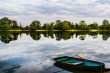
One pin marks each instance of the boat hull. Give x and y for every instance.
(84, 67)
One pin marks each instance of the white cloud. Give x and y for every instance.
(51, 10)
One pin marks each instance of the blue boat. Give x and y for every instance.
(80, 63)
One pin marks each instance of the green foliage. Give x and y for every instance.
(58, 24)
(72, 26)
(11, 23)
(34, 28)
(65, 25)
(82, 25)
(4, 27)
(94, 25)
(82, 22)
(103, 27)
(14, 24)
(77, 27)
(46, 26)
(26, 28)
(6, 24)
(5, 20)
(105, 22)
(51, 26)
(36, 23)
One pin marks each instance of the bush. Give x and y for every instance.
(34, 28)
(4, 27)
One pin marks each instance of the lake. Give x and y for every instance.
(31, 52)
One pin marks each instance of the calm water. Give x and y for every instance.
(31, 52)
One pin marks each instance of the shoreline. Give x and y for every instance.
(55, 30)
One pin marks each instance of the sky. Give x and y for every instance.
(26, 11)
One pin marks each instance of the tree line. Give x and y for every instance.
(7, 24)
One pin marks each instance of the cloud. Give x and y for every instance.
(103, 1)
(51, 10)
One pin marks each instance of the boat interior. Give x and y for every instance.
(77, 61)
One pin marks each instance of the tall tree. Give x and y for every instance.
(94, 25)
(51, 26)
(36, 23)
(77, 27)
(58, 24)
(46, 26)
(65, 25)
(5, 20)
(82, 25)
(82, 22)
(105, 22)
(14, 24)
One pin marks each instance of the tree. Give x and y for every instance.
(4, 27)
(58, 24)
(11, 23)
(94, 25)
(72, 26)
(36, 23)
(46, 26)
(108, 26)
(82, 25)
(65, 25)
(34, 28)
(82, 22)
(5, 20)
(76, 25)
(20, 25)
(14, 24)
(103, 27)
(105, 22)
(51, 26)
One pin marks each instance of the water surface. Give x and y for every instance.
(31, 52)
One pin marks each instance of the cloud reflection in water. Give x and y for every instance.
(35, 56)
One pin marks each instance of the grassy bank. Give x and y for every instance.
(55, 30)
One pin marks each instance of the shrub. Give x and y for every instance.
(4, 27)
(34, 28)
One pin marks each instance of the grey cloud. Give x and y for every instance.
(6, 12)
(70, 7)
(103, 1)
(88, 10)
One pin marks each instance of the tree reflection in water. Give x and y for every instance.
(8, 36)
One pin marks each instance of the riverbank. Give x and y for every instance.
(55, 30)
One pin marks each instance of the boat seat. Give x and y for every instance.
(78, 63)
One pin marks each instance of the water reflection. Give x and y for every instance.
(32, 51)
(7, 36)
(72, 70)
